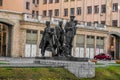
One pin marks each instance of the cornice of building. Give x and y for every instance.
(10, 11)
(93, 30)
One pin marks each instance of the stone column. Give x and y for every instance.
(23, 42)
(95, 45)
(38, 42)
(85, 45)
(106, 44)
(74, 45)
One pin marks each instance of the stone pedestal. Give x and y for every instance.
(81, 69)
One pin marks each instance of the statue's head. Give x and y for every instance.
(47, 23)
(72, 18)
(60, 23)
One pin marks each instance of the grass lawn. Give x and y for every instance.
(35, 74)
(105, 73)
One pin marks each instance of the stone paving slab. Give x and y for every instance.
(17, 60)
(106, 61)
(28, 65)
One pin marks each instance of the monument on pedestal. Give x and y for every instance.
(59, 40)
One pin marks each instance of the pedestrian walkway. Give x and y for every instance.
(105, 63)
(21, 62)
(16, 60)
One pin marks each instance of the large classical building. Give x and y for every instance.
(22, 24)
(91, 11)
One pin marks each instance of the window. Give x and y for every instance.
(33, 1)
(44, 13)
(103, 22)
(65, 12)
(31, 37)
(50, 13)
(115, 7)
(96, 9)
(78, 10)
(37, 13)
(56, 12)
(80, 40)
(100, 42)
(95, 22)
(72, 11)
(114, 22)
(50, 1)
(88, 23)
(90, 41)
(56, 1)
(103, 9)
(44, 1)
(33, 13)
(28, 5)
(1, 2)
(89, 9)
(65, 0)
(37, 1)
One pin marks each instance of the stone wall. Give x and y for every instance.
(11, 18)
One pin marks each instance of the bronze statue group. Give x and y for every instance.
(59, 40)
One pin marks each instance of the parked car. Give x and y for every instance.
(103, 56)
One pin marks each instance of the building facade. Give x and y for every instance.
(91, 11)
(23, 6)
(21, 27)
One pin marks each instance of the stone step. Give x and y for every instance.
(64, 58)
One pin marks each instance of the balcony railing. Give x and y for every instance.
(92, 26)
(43, 19)
(53, 20)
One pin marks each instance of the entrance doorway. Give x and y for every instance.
(114, 46)
(3, 40)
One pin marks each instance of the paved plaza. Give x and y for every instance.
(29, 62)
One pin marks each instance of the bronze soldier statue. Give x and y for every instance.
(59, 38)
(47, 39)
(70, 31)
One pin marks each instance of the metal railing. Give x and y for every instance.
(43, 19)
